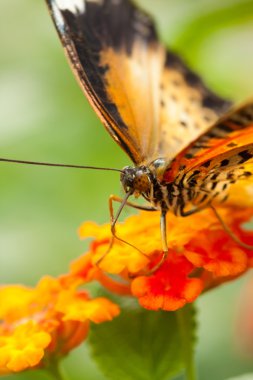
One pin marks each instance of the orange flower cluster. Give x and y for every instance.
(41, 324)
(201, 255)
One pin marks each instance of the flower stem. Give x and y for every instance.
(56, 372)
(185, 328)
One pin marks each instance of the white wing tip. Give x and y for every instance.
(74, 6)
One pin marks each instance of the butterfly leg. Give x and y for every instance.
(229, 231)
(189, 212)
(114, 219)
(163, 227)
(115, 198)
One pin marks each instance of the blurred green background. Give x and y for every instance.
(44, 116)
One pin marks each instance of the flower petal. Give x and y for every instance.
(22, 348)
(170, 287)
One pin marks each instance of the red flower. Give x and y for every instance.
(201, 255)
(170, 287)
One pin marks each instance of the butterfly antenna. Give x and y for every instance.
(229, 231)
(57, 165)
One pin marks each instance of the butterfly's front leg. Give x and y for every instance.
(123, 202)
(163, 228)
(115, 198)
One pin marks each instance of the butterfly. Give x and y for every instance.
(190, 148)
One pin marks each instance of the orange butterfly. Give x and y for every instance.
(187, 155)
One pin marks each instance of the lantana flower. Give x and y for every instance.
(39, 325)
(201, 255)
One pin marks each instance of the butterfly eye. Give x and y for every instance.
(127, 178)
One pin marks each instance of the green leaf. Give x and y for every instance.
(187, 329)
(142, 345)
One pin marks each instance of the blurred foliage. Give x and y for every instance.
(44, 116)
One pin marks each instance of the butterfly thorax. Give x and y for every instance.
(178, 195)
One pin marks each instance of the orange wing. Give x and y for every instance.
(218, 166)
(187, 110)
(148, 100)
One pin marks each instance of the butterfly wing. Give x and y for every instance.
(219, 164)
(146, 97)
(187, 108)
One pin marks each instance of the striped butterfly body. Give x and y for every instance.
(199, 176)
(189, 147)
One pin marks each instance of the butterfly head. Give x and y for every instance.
(136, 180)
